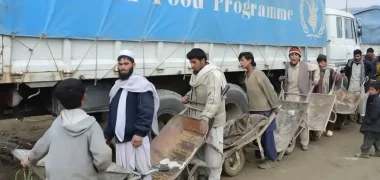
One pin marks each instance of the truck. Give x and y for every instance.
(366, 18)
(46, 41)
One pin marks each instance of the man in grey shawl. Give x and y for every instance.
(326, 83)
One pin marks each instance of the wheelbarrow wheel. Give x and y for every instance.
(185, 175)
(315, 135)
(290, 148)
(234, 164)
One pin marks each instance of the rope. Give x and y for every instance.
(55, 63)
(116, 64)
(155, 69)
(93, 43)
(224, 56)
(31, 50)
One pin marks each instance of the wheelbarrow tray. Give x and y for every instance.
(179, 141)
(320, 108)
(243, 130)
(346, 102)
(114, 172)
(288, 121)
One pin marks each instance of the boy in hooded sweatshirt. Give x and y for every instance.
(371, 123)
(74, 145)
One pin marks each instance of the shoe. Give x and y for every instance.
(377, 153)
(268, 164)
(202, 177)
(360, 120)
(364, 155)
(329, 133)
(255, 160)
(304, 148)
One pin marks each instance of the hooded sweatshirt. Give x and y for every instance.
(74, 147)
(206, 88)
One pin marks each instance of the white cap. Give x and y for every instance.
(127, 52)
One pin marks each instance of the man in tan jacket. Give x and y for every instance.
(297, 80)
(262, 100)
(207, 83)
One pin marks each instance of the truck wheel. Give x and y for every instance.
(184, 175)
(236, 101)
(234, 164)
(170, 105)
(315, 135)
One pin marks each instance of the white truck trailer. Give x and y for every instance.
(45, 41)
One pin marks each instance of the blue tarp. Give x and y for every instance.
(265, 22)
(369, 18)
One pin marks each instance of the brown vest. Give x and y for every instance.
(303, 82)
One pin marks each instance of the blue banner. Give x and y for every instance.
(262, 22)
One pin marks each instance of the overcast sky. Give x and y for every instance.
(341, 4)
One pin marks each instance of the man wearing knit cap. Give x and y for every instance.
(298, 80)
(133, 113)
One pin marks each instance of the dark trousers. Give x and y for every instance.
(340, 120)
(267, 140)
(370, 139)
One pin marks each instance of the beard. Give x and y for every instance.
(125, 76)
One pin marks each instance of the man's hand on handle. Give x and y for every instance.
(276, 110)
(108, 142)
(281, 78)
(204, 126)
(185, 99)
(136, 141)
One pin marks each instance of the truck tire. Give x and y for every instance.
(170, 105)
(236, 101)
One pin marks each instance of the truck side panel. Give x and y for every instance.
(29, 59)
(263, 22)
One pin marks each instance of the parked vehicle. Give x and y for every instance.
(367, 19)
(45, 41)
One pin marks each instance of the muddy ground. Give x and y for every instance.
(329, 158)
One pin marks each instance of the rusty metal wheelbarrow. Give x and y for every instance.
(179, 140)
(238, 133)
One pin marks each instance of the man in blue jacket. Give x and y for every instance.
(132, 114)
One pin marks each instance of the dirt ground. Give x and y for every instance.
(329, 158)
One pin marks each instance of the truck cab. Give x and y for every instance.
(343, 36)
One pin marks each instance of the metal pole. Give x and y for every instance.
(346, 5)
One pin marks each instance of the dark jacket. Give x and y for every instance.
(367, 71)
(371, 122)
(373, 62)
(139, 115)
(318, 87)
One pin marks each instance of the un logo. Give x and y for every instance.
(310, 25)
